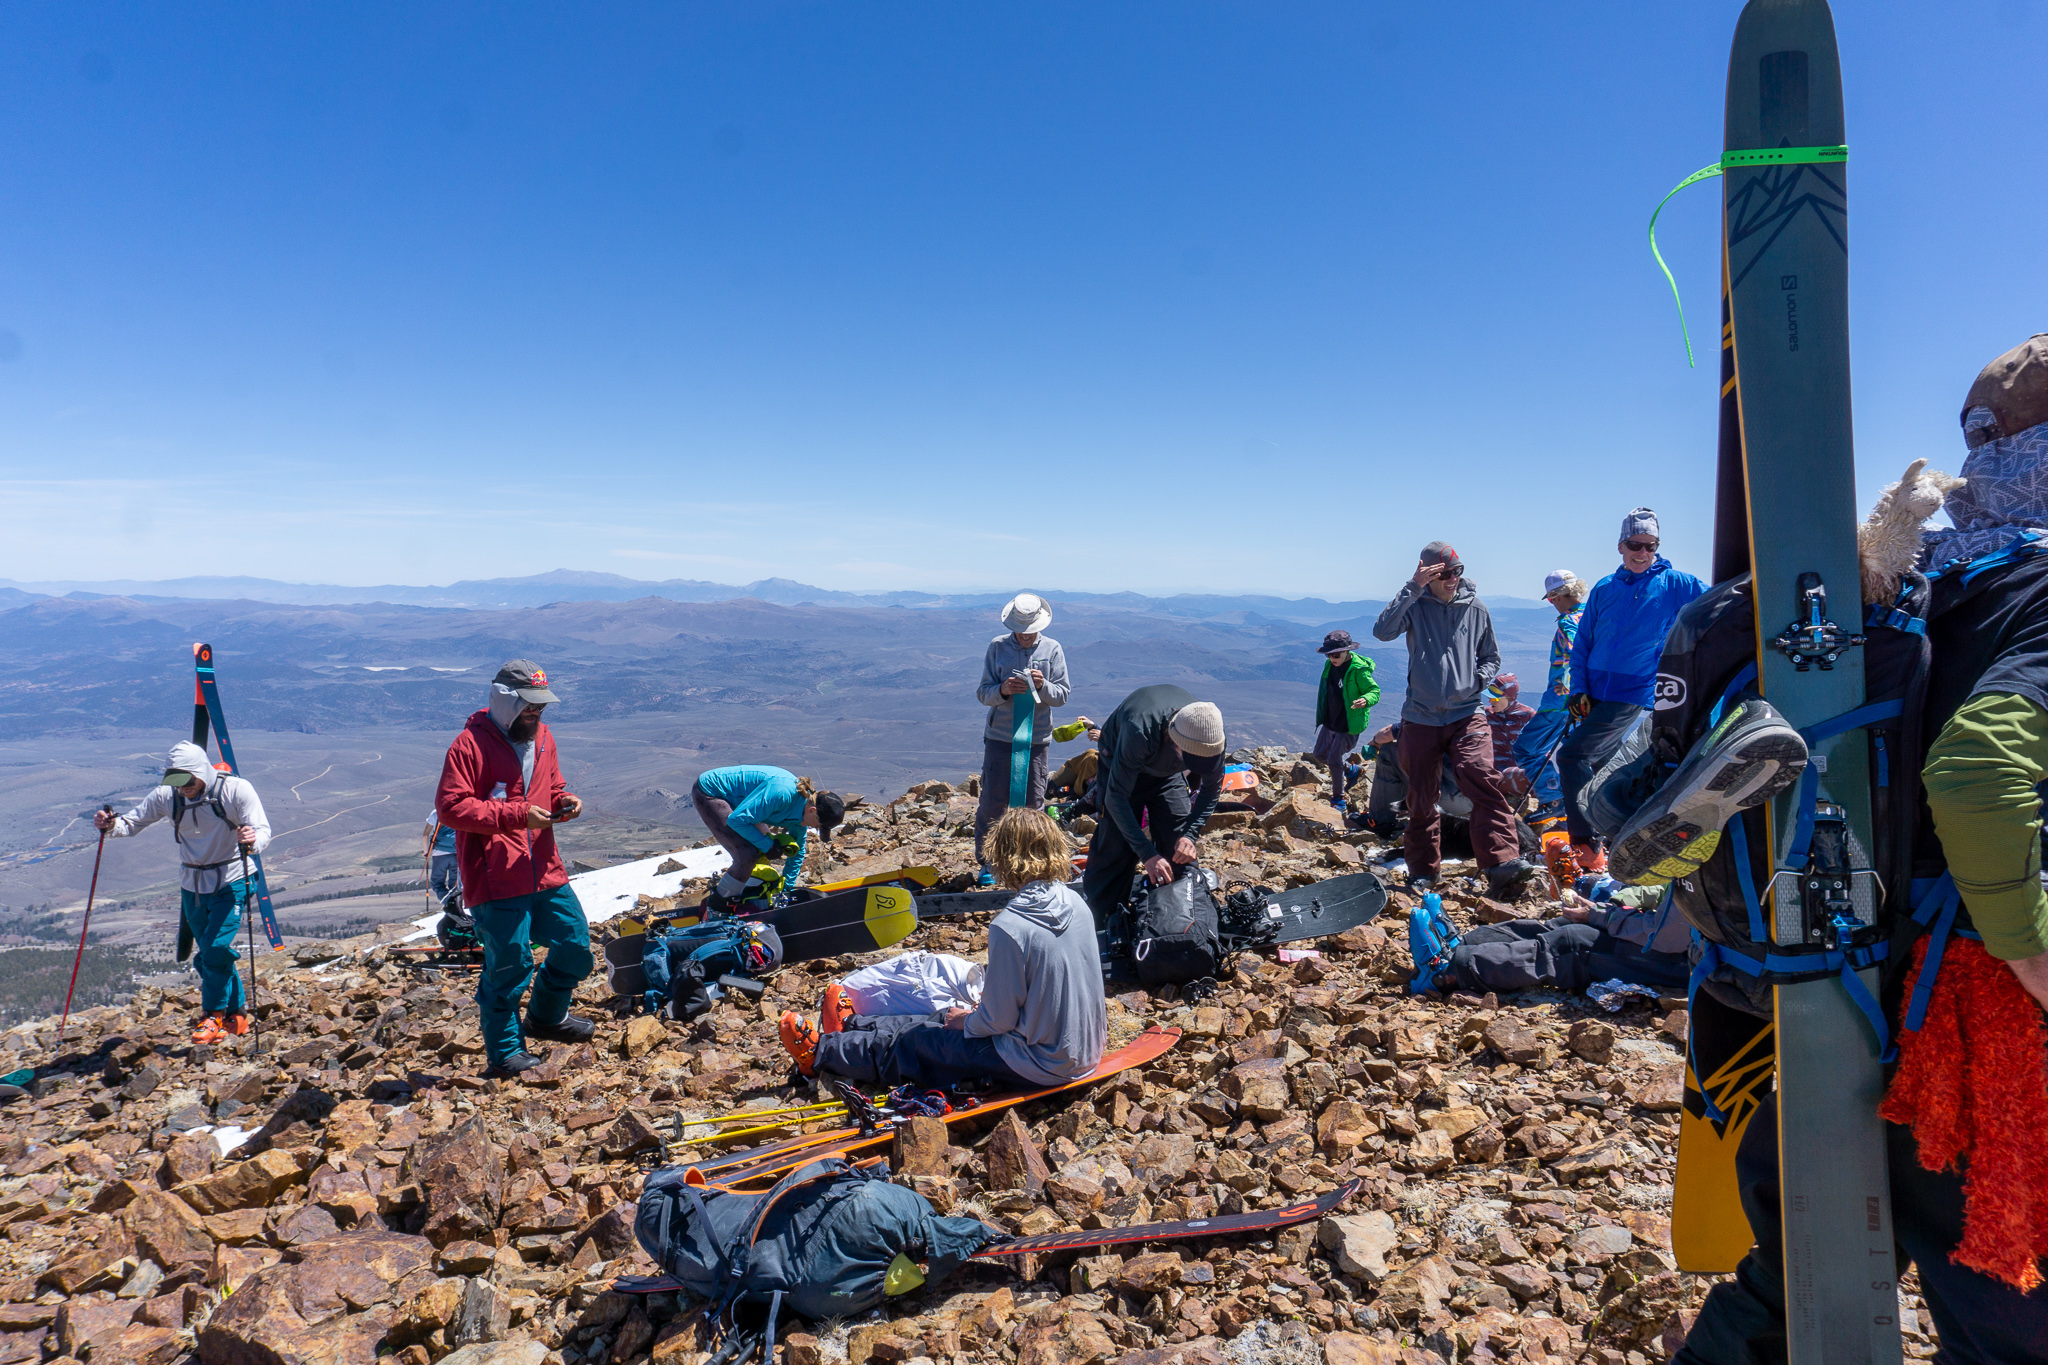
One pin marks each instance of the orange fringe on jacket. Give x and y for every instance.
(1973, 1085)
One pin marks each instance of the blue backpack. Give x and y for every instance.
(830, 1240)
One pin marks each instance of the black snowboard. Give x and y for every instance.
(857, 921)
(1322, 909)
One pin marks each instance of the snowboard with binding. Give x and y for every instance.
(857, 921)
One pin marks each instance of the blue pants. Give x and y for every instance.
(1605, 728)
(443, 877)
(1536, 753)
(213, 917)
(508, 927)
(914, 1049)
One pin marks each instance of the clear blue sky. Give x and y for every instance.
(1156, 296)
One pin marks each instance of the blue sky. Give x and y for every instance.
(1152, 296)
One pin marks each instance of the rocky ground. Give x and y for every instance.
(377, 1198)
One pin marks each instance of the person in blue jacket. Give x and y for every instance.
(744, 806)
(1614, 664)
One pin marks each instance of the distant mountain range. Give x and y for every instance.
(575, 585)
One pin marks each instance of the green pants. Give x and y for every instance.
(212, 918)
(508, 927)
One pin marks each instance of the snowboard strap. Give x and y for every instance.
(1734, 161)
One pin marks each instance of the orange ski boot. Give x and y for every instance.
(800, 1040)
(237, 1024)
(211, 1030)
(832, 1014)
(1592, 857)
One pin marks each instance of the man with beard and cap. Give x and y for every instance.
(1451, 659)
(501, 788)
(1023, 660)
(1966, 1109)
(1149, 744)
(743, 807)
(215, 819)
(1345, 696)
(1614, 665)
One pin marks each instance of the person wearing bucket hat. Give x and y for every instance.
(214, 817)
(1451, 659)
(1149, 744)
(1022, 660)
(1345, 697)
(501, 789)
(1614, 664)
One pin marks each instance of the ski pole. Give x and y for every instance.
(249, 922)
(742, 1115)
(91, 891)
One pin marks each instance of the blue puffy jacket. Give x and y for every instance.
(1621, 635)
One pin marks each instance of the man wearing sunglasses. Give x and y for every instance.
(1614, 664)
(1451, 659)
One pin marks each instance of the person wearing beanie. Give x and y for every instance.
(502, 791)
(744, 808)
(1966, 1109)
(1614, 664)
(1149, 744)
(1023, 662)
(1536, 747)
(215, 818)
(1451, 659)
(1345, 697)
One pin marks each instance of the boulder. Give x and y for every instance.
(1014, 1161)
(462, 1179)
(1513, 1040)
(1260, 1088)
(1591, 1040)
(168, 1231)
(643, 1033)
(1418, 1290)
(921, 1147)
(1360, 1243)
(245, 1185)
(496, 1353)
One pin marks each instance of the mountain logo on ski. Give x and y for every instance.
(1767, 205)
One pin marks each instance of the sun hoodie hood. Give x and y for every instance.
(190, 758)
(1043, 904)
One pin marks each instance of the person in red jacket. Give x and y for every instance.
(1507, 714)
(501, 788)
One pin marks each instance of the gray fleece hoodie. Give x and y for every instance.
(1451, 652)
(1042, 999)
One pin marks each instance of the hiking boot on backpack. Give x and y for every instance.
(1751, 756)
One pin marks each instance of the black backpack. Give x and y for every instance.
(1176, 931)
(830, 1240)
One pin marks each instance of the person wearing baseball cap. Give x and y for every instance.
(215, 818)
(1344, 700)
(1536, 746)
(1149, 744)
(501, 788)
(1614, 665)
(1023, 662)
(1451, 659)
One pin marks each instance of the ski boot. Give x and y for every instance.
(1591, 857)
(1430, 941)
(211, 1030)
(800, 1040)
(1557, 856)
(832, 1013)
(237, 1025)
(1751, 756)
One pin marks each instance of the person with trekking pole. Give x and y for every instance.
(217, 820)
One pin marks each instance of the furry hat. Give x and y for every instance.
(1888, 542)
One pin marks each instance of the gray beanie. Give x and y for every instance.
(1197, 729)
(1641, 522)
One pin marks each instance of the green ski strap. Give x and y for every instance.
(1023, 707)
(1735, 161)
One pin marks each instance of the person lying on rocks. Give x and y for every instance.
(1042, 1020)
(1632, 935)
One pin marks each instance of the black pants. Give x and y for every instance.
(1522, 954)
(715, 814)
(1165, 804)
(1978, 1320)
(1591, 743)
(914, 1049)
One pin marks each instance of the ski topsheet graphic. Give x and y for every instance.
(205, 709)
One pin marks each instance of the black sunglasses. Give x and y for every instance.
(1640, 547)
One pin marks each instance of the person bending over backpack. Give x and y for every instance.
(1042, 1020)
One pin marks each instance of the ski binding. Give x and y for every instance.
(1814, 639)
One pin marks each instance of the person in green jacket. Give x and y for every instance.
(1344, 701)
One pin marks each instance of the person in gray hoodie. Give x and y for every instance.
(1022, 662)
(215, 818)
(1451, 658)
(1041, 1021)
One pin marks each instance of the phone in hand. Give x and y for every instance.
(562, 806)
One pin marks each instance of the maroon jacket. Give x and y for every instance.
(498, 854)
(1507, 727)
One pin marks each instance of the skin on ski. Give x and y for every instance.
(1023, 707)
(1785, 235)
(740, 1167)
(1736, 1054)
(1265, 1220)
(206, 706)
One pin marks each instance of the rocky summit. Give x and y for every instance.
(352, 1189)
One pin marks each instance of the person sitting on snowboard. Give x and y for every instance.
(743, 807)
(1042, 1020)
(216, 819)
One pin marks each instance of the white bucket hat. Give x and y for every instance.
(1027, 614)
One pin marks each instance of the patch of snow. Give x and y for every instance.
(611, 891)
(229, 1137)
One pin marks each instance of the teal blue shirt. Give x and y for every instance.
(761, 796)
